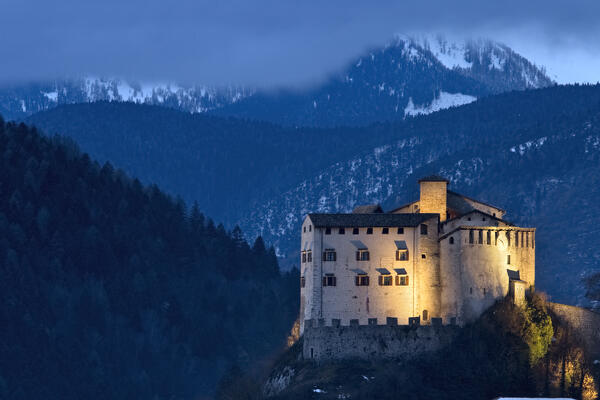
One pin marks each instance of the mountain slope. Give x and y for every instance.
(113, 290)
(528, 152)
(406, 77)
(266, 177)
(222, 163)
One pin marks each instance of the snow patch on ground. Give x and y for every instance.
(444, 100)
(52, 96)
(532, 144)
(450, 54)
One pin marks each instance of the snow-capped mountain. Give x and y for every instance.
(21, 101)
(406, 77)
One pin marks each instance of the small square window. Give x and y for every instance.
(329, 280)
(385, 280)
(423, 255)
(385, 231)
(342, 231)
(361, 280)
(355, 231)
(402, 255)
(401, 280)
(369, 231)
(400, 231)
(423, 229)
(328, 231)
(469, 218)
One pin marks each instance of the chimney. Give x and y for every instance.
(433, 196)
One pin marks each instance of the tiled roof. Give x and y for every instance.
(369, 220)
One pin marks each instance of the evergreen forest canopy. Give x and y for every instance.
(114, 290)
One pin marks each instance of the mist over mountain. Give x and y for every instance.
(408, 76)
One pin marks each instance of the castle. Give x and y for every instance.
(440, 260)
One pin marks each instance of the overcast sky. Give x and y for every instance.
(274, 42)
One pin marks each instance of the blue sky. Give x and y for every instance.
(271, 42)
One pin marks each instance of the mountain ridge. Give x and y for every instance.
(406, 76)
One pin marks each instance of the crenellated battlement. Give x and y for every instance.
(373, 341)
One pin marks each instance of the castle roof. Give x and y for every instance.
(369, 220)
(367, 209)
(456, 201)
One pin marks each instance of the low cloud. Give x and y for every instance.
(263, 42)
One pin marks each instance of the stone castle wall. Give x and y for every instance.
(370, 342)
(584, 322)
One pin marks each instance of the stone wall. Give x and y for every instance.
(584, 322)
(369, 342)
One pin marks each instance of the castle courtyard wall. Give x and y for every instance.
(372, 342)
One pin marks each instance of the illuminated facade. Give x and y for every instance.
(444, 258)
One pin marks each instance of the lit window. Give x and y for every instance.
(369, 231)
(402, 255)
(385, 231)
(423, 229)
(361, 280)
(401, 280)
(385, 280)
(362, 255)
(329, 255)
(329, 280)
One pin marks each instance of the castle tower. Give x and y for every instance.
(433, 196)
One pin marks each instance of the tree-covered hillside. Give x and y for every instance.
(113, 290)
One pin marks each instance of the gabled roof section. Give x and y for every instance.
(476, 211)
(367, 209)
(369, 220)
(455, 195)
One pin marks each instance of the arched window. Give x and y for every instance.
(451, 240)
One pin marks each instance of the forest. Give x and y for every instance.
(113, 289)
